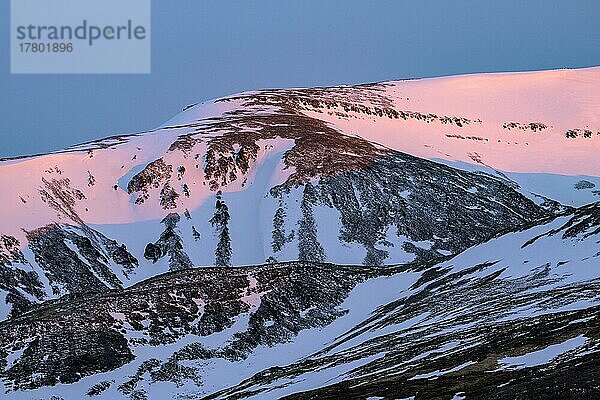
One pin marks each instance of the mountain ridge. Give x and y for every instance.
(433, 209)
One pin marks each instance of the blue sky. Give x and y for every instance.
(206, 49)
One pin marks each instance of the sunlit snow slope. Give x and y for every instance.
(369, 174)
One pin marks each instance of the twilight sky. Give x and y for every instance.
(207, 49)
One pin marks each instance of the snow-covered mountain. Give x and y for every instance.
(406, 221)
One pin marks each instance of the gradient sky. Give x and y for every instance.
(207, 49)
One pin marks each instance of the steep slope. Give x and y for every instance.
(211, 314)
(514, 317)
(351, 175)
(517, 314)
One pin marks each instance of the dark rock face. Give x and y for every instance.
(220, 222)
(64, 340)
(57, 251)
(15, 279)
(72, 259)
(533, 126)
(309, 249)
(581, 133)
(169, 244)
(279, 235)
(583, 184)
(65, 358)
(120, 255)
(10, 251)
(168, 196)
(480, 376)
(155, 175)
(414, 198)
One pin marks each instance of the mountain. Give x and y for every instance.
(429, 238)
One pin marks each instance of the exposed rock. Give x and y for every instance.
(154, 175)
(220, 221)
(169, 244)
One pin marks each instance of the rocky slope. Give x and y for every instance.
(312, 164)
(388, 221)
(513, 318)
(514, 315)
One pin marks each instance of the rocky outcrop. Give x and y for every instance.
(92, 333)
(72, 263)
(399, 200)
(169, 244)
(220, 222)
(154, 175)
(21, 284)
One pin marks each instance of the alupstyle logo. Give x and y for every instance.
(74, 36)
